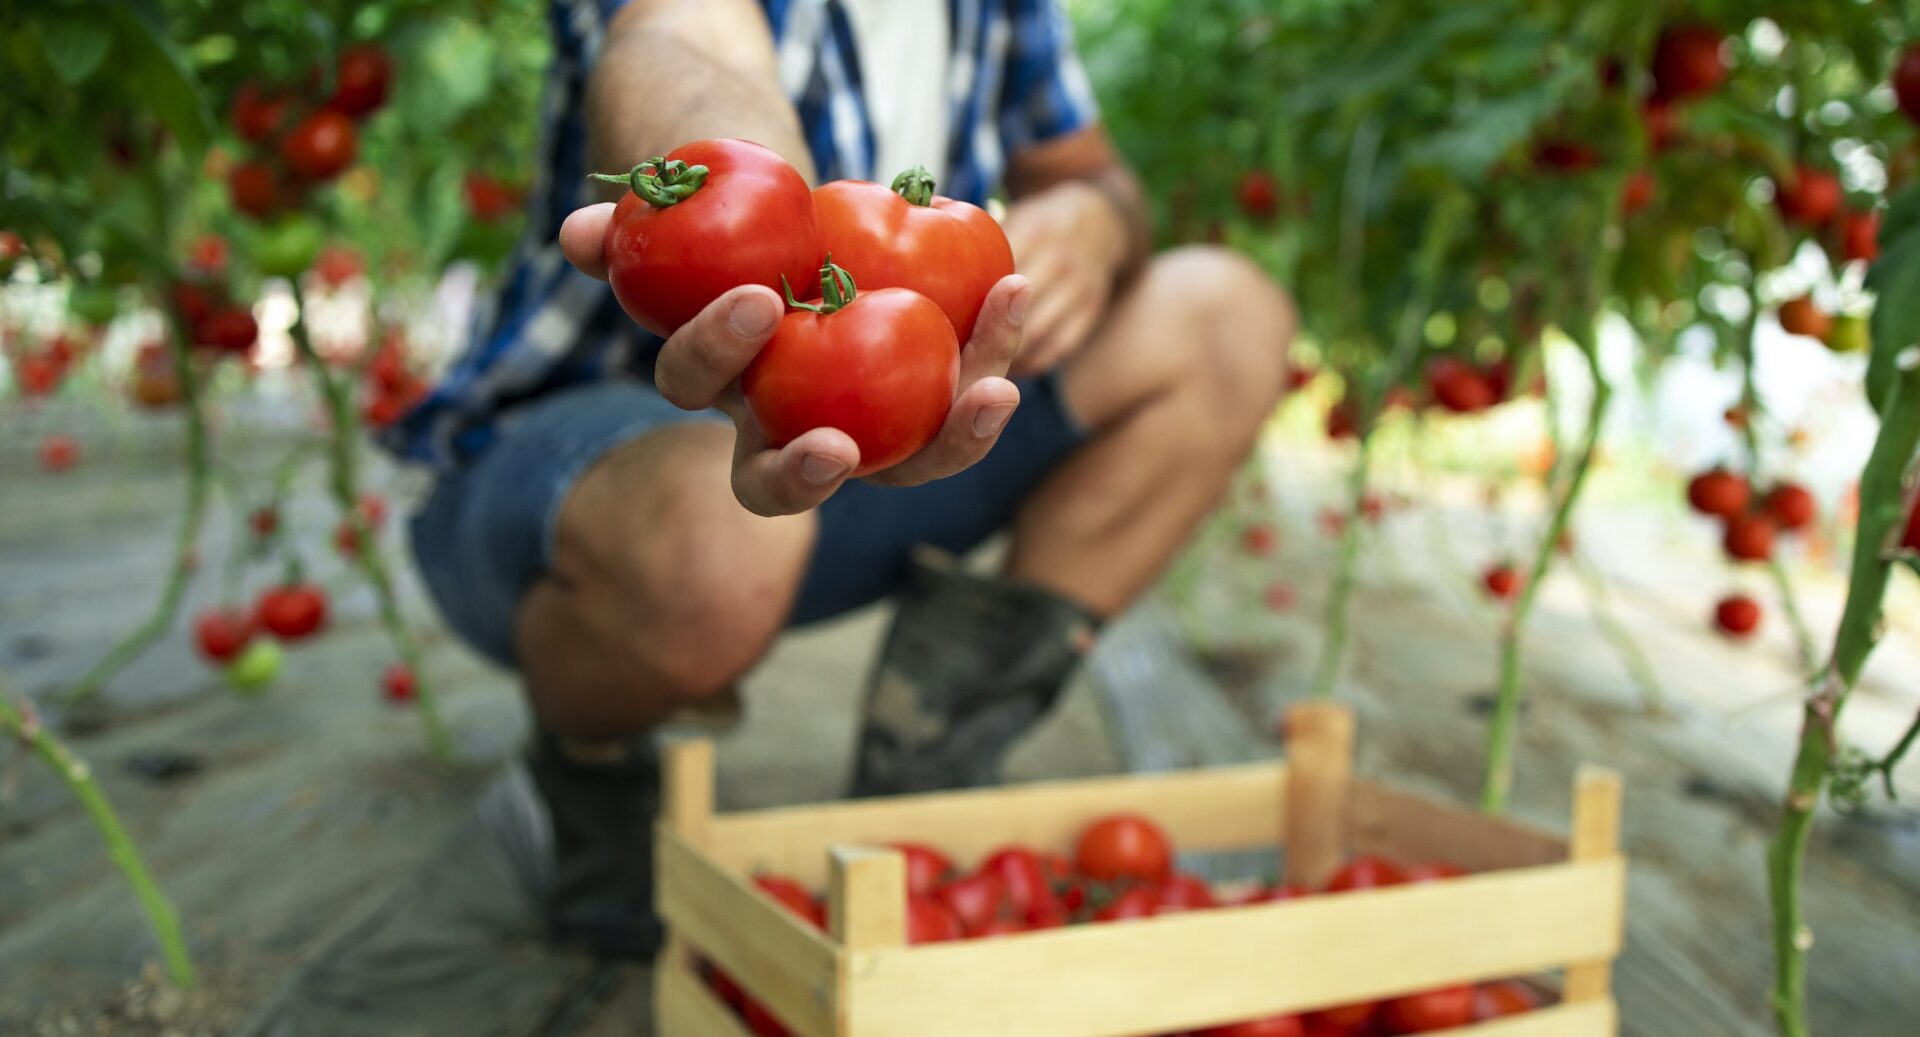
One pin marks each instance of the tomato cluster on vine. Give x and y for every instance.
(299, 136)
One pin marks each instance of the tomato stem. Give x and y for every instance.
(658, 181)
(915, 185)
(836, 289)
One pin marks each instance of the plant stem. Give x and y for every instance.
(1750, 406)
(1631, 656)
(1882, 518)
(1499, 776)
(161, 917)
(344, 483)
(1333, 650)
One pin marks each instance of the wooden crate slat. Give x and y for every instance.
(1225, 808)
(1599, 1018)
(684, 1007)
(1150, 975)
(788, 966)
(1412, 829)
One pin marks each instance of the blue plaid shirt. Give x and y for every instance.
(1013, 78)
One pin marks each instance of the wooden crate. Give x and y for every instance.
(1536, 903)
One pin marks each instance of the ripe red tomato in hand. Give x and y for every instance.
(927, 868)
(321, 146)
(794, 897)
(1749, 538)
(291, 612)
(1791, 506)
(704, 219)
(1810, 197)
(974, 899)
(879, 366)
(254, 189)
(1737, 615)
(1429, 1010)
(1719, 493)
(929, 921)
(1365, 872)
(1273, 1026)
(1687, 62)
(908, 237)
(221, 634)
(1124, 846)
(257, 113)
(361, 80)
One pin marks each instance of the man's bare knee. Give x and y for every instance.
(1243, 323)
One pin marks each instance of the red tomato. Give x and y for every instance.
(221, 634)
(1432, 871)
(1810, 197)
(1719, 493)
(1259, 195)
(397, 684)
(974, 899)
(336, 265)
(488, 199)
(1458, 387)
(208, 253)
(879, 366)
(1344, 1019)
(927, 868)
(1565, 156)
(291, 612)
(1687, 62)
(909, 237)
(38, 374)
(1365, 872)
(230, 329)
(1791, 506)
(1184, 892)
(1275, 894)
(794, 897)
(1501, 581)
(1429, 1010)
(1259, 539)
(1737, 615)
(929, 921)
(321, 146)
(1136, 902)
(761, 1020)
(1912, 540)
(1860, 235)
(1024, 881)
(59, 453)
(254, 189)
(1343, 421)
(1637, 193)
(997, 927)
(1749, 538)
(1279, 596)
(361, 80)
(1124, 846)
(1657, 118)
(717, 214)
(1906, 81)
(256, 114)
(1502, 998)
(194, 302)
(1275, 1026)
(1801, 317)
(382, 410)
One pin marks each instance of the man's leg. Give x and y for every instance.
(1175, 385)
(1173, 388)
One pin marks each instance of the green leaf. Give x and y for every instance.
(75, 44)
(159, 76)
(1895, 279)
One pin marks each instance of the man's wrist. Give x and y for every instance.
(1112, 236)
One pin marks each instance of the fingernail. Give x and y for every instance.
(819, 469)
(990, 419)
(1017, 306)
(752, 316)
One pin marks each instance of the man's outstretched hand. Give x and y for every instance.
(700, 367)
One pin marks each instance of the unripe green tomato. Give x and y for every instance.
(94, 303)
(255, 668)
(1850, 334)
(287, 247)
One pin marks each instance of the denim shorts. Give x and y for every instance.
(486, 533)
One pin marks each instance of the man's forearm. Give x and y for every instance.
(1117, 184)
(656, 87)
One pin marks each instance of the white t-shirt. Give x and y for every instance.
(904, 54)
